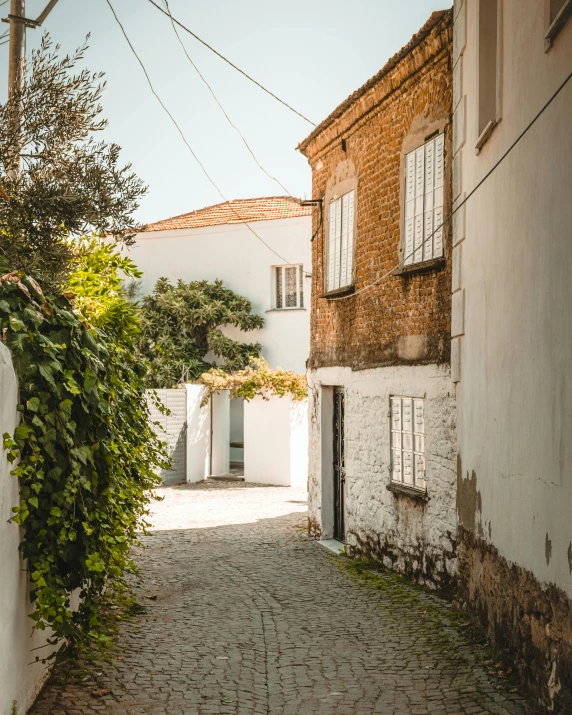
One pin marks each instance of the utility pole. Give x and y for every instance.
(17, 44)
(17, 57)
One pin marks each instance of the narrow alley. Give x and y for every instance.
(245, 615)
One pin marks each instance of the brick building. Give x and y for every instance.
(382, 472)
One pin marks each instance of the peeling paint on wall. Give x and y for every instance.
(547, 549)
(469, 501)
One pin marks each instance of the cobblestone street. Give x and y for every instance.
(244, 616)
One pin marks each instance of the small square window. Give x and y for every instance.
(408, 442)
(288, 287)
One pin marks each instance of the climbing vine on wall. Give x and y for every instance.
(83, 452)
(258, 379)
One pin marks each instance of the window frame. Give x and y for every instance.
(338, 198)
(484, 132)
(299, 287)
(418, 484)
(408, 261)
(553, 27)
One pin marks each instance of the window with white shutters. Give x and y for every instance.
(424, 194)
(288, 287)
(408, 442)
(340, 245)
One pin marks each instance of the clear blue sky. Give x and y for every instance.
(312, 53)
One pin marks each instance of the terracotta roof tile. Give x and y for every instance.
(419, 36)
(268, 208)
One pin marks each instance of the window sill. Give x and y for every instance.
(434, 264)
(557, 24)
(346, 290)
(285, 310)
(408, 491)
(485, 134)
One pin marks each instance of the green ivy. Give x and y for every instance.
(84, 453)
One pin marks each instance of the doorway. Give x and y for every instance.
(339, 471)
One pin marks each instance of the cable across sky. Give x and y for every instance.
(242, 72)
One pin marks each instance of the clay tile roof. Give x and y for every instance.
(267, 208)
(419, 36)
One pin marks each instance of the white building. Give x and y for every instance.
(512, 330)
(217, 243)
(260, 249)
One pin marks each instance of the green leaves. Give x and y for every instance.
(179, 326)
(85, 457)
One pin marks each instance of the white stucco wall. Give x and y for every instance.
(234, 255)
(19, 681)
(373, 514)
(276, 441)
(513, 300)
(198, 434)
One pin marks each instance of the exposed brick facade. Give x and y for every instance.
(405, 319)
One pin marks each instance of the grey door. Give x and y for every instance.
(172, 429)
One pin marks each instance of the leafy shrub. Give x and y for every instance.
(258, 379)
(180, 325)
(86, 455)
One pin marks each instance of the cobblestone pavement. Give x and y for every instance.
(245, 616)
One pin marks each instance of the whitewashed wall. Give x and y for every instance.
(409, 538)
(19, 681)
(276, 442)
(234, 255)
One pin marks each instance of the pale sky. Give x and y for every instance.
(311, 53)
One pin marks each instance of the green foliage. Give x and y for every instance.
(257, 379)
(84, 455)
(69, 184)
(180, 326)
(98, 292)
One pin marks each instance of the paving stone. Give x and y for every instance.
(245, 616)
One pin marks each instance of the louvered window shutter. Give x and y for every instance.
(428, 206)
(419, 196)
(331, 252)
(409, 208)
(438, 196)
(419, 442)
(396, 444)
(337, 243)
(350, 248)
(301, 274)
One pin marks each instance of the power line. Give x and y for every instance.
(199, 162)
(242, 72)
(223, 109)
(464, 201)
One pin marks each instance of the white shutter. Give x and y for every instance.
(428, 206)
(396, 462)
(331, 252)
(344, 241)
(337, 243)
(419, 442)
(409, 208)
(438, 195)
(407, 440)
(419, 199)
(350, 256)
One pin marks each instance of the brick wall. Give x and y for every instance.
(405, 319)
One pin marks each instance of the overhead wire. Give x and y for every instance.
(242, 72)
(448, 218)
(199, 162)
(232, 124)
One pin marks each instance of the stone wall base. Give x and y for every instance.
(531, 621)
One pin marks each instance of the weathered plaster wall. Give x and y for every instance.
(19, 681)
(512, 347)
(410, 537)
